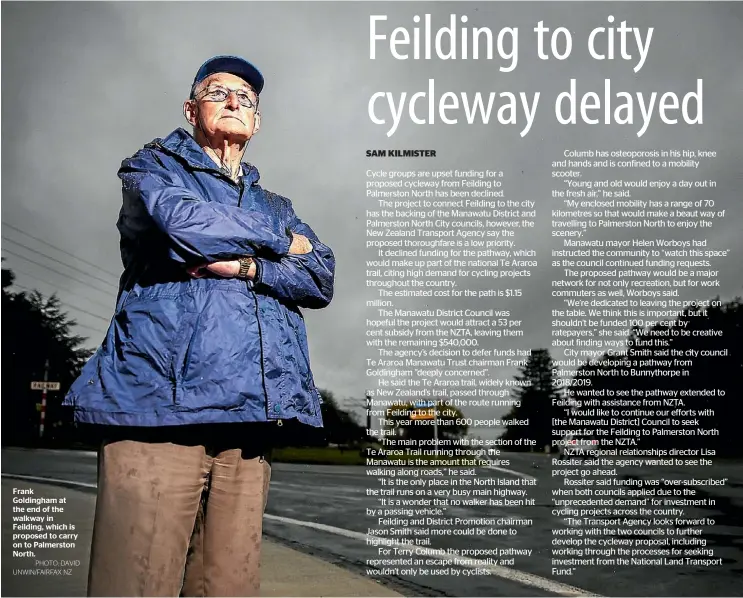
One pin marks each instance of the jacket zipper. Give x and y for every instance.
(249, 284)
(240, 192)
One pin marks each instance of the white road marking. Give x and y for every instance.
(526, 476)
(303, 491)
(522, 577)
(68, 452)
(483, 456)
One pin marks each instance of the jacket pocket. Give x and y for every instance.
(133, 371)
(181, 352)
(141, 335)
(218, 363)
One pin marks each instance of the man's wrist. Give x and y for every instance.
(256, 277)
(247, 268)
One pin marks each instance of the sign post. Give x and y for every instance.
(43, 387)
(436, 427)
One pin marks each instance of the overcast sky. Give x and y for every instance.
(87, 84)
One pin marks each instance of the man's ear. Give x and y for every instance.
(256, 122)
(189, 112)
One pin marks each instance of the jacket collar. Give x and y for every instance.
(181, 143)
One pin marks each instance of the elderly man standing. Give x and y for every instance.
(205, 356)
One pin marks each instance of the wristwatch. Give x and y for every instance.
(245, 263)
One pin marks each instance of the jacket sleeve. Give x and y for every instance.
(200, 231)
(307, 279)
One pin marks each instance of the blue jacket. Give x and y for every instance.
(182, 350)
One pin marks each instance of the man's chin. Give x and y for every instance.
(233, 129)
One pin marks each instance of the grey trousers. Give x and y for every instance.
(178, 518)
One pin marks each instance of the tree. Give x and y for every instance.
(535, 391)
(340, 425)
(36, 330)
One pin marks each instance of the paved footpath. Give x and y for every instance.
(284, 571)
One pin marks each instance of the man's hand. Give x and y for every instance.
(300, 245)
(228, 269)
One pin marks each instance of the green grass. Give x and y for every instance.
(333, 456)
(319, 455)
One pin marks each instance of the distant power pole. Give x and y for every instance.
(368, 412)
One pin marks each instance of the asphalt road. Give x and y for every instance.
(323, 510)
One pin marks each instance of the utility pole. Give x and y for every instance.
(368, 413)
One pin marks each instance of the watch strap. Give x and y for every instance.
(245, 263)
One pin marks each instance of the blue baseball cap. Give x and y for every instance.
(230, 64)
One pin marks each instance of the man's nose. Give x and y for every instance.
(232, 100)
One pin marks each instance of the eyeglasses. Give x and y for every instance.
(220, 94)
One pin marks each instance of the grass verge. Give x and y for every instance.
(319, 455)
(334, 456)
